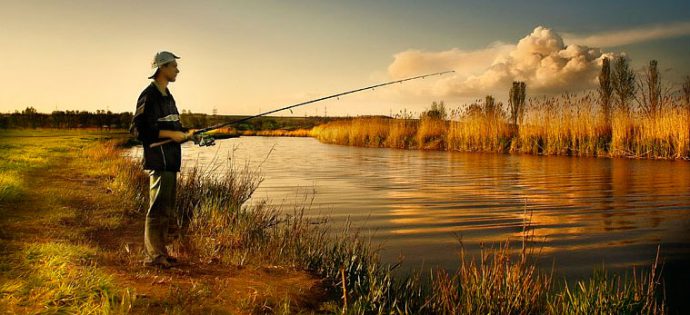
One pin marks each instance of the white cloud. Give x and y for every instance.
(541, 59)
(631, 36)
(413, 62)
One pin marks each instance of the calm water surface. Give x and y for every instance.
(584, 212)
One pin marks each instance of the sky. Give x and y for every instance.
(245, 57)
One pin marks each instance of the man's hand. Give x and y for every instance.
(177, 136)
(189, 134)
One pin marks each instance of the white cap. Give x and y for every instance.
(161, 58)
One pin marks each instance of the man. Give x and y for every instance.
(156, 119)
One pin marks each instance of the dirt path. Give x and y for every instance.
(67, 205)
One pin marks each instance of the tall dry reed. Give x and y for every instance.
(569, 124)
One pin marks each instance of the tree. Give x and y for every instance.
(473, 111)
(437, 111)
(623, 79)
(492, 110)
(517, 102)
(650, 88)
(489, 106)
(57, 118)
(605, 90)
(125, 118)
(268, 124)
(29, 116)
(4, 121)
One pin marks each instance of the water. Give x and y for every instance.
(584, 212)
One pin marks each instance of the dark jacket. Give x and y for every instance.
(156, 112)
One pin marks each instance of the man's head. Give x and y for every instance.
(165, 65)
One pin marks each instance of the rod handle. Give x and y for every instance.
(153, 145)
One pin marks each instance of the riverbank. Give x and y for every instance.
(225, 241)
(71, 241)
(566, 125)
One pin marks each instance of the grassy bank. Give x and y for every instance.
(23, 150)
(73, 244)
(219, 227)
(46, 264)
(565, 125)
(71, 234)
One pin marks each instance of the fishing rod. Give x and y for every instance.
(372, 87)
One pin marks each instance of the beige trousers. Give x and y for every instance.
(161, 212)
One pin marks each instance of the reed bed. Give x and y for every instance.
(220, 227)
(566, 125)
(478, 134)
(570, 124)
(300, 132)
(371, 132)
(281, 133)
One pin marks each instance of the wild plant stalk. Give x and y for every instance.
(604, 293)
(127, 179)
(496, 284)
(685, 94)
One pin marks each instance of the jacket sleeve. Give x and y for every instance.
(145, 120)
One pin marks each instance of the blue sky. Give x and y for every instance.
(242, 57)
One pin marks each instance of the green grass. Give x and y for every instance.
(606, 293)
(58, 278)
(22, 150)
(45, 265)
(14, 160)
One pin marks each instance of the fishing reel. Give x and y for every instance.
(203, 140)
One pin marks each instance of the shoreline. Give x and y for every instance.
(229, 247)
(343, 131)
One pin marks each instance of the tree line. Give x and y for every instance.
(69, 119)
(102, 119)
